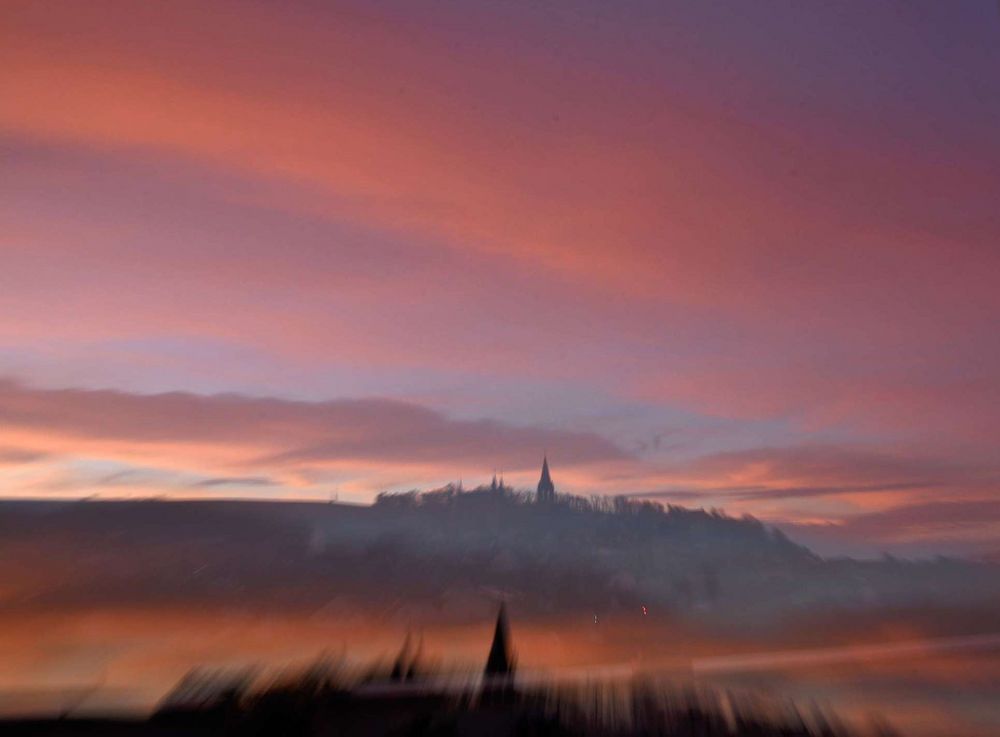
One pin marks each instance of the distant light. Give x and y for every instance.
(644, 610)
(595, 619)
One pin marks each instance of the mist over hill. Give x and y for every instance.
(447, 556)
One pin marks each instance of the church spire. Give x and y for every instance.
(500, 663)
(546, 491)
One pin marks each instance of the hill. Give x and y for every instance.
(447, 556)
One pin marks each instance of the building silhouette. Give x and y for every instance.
(407, 662)
(500, 663)
(326, 700)
(497, 485)
(546, 491)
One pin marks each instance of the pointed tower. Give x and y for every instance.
(546, 492)
(500, 663)
(403, 661)
(413, 671)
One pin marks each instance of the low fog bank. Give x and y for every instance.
(446, 557)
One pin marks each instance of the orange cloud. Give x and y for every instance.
(229, 434)
(366, 191)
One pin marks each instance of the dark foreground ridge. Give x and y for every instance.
(328, 699)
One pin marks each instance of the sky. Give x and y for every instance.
(725, 255)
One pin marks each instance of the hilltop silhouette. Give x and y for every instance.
(442, 555)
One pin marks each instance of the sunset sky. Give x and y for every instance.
(740, 255)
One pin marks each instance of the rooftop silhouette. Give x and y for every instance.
(500, 663)
(546, 491)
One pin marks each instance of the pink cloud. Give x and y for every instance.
(656, 227)
(211, 433)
